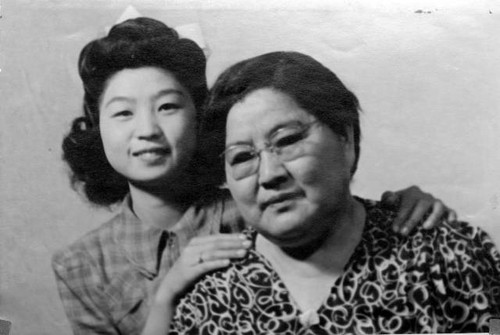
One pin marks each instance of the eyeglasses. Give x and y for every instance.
(286, 143)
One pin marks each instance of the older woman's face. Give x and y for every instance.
(295, 199)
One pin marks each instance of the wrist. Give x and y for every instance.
(164, 298)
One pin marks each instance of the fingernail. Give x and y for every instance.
(246, 244)
(404, 231)
(242, 236)
(241, 252)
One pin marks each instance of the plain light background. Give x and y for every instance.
(427, 75)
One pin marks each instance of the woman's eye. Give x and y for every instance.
(241, 157)
(123, 113)
(288, 139)
(169, 107)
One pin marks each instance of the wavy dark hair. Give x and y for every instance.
(314, 88)
(131, 44)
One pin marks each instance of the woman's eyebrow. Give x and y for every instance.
(232, 144)
(159, 94)
(168, 91)
(282, 125)
(269, 133)
(118, 99)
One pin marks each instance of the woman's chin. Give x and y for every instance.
(291, 229)
(286, 234)
(166, 183)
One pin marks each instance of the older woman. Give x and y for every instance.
(323, 260)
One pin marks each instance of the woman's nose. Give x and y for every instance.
(272, 171)
(147, 126)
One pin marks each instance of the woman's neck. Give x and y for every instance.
(309, 278)
(331, 256)
(159, 209)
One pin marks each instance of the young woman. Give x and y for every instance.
(135, 148)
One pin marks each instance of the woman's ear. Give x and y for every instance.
(349, 151)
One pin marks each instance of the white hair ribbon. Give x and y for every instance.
(191, 31)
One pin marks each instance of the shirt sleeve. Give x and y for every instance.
(80, 295)
(467, 273)
(488, 258)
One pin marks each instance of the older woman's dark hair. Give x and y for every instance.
(314, 88)
(132, 44)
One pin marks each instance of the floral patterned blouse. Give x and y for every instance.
(442, 280)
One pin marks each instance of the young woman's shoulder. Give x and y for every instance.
(102, 277)
(220, 206)
(90, 249)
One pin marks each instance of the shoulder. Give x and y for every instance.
(88, 251)
(461, 230)
(221, 210)
(379, 218)
(449, 243)
(222, 296)
(456, 263)
(461, 242)
(213, 285)
(203, 308)
(453, 251)
(376, 210)
(241, 274)
(465, 267)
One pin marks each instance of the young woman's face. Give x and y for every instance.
(291, 199)
(148, 125)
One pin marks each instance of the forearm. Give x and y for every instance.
(160, 316)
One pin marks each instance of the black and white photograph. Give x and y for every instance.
(249, 167)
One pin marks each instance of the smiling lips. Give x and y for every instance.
(279, 199)
(152, 154)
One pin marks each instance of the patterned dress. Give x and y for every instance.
(442, 280)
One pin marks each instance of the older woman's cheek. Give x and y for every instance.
(244, 192)
(323, 182)
(309, 172)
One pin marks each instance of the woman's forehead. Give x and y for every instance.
(266, 105)
(261, 113)
(143, 82)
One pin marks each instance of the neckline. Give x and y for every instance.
(252, 234)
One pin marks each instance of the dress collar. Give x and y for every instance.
(143, 244)
(138, 241)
